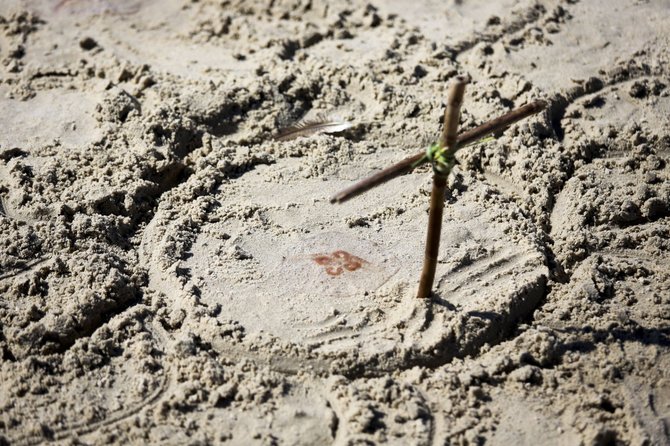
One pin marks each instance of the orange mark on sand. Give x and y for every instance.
(338, 262)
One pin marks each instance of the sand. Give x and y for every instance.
(171, 274)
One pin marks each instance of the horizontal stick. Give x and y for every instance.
(464, 139)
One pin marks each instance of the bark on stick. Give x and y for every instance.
(448, 140)
(465, 138)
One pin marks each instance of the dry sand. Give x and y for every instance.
(164, 270)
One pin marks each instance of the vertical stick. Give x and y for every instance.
(433, 237)
(447, 140)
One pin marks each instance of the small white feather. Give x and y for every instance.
(308, 128)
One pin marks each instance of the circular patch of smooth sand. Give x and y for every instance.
(340, 280)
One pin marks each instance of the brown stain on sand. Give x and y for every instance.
(338, 262)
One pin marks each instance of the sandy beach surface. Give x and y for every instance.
(171, 274)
